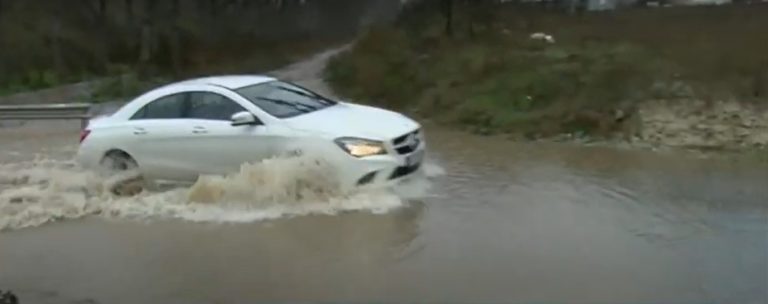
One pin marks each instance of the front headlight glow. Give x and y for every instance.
(359, 147)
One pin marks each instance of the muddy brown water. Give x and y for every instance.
(504, 223)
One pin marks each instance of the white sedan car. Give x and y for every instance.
(214, 125)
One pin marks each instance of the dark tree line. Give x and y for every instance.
(479, 11)
(471, 13)
(66, 37)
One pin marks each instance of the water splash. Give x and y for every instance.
(43, 191)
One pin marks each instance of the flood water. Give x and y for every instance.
(505, 223)
(492, 221)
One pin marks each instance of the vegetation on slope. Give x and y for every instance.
(487, 74)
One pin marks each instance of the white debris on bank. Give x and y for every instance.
(543, 37)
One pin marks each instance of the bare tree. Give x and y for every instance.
(147, 43)
(174, 40)
(102, 8)
(129, 10)
(55, 40)
(447, 7)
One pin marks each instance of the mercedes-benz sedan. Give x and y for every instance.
(214, 125)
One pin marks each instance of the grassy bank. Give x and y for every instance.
(489, 76)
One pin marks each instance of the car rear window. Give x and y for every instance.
(168, 107)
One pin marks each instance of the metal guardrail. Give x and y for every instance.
(71, 111)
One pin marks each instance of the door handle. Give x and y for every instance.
(139, 131)
(199, 130)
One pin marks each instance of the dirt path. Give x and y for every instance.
(309, 72)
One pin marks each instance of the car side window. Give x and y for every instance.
(168, 107)
(211, 106)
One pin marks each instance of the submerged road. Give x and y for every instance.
(505, 223)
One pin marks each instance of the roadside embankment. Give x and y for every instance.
(659, 77)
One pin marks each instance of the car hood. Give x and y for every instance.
(353, 120)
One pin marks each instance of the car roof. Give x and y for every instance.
(232, 82)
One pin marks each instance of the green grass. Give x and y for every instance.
(32, 80)
(496, 79)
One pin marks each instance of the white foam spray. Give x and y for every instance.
(43, 191)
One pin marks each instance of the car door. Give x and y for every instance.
(154, 129)
(212, 145)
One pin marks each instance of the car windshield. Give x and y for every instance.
(283, 100)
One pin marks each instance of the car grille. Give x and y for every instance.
(405, 150)
(407, 143)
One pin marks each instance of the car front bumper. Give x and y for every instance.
(383, 170)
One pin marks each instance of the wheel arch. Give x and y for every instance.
(117, 152)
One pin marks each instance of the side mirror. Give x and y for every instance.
(244, 119)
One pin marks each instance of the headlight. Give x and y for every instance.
(359, 147)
